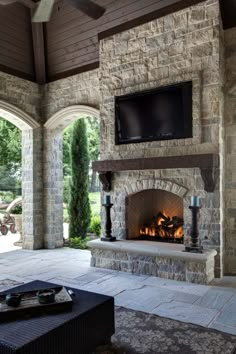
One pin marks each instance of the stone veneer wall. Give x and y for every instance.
(23, 94)
(81, 89)
(42, 149)
(26, 96)
(230, 151)
(178, 47)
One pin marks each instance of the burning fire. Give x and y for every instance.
(160, 219)
(164, 227)
(179, 232)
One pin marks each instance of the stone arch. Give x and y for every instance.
(60, 120)
(31, 172)
(17, 117)
(53, 173)
(161, 184)
(119, 198)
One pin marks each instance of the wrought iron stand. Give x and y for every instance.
(194, 247)
(108, 226)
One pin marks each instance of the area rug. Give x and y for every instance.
(139, 332)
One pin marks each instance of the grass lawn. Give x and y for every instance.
(95, 202)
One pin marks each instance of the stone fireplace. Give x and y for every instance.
(148, 178)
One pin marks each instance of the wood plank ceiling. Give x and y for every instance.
(69, 43)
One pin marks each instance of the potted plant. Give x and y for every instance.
(16, 212)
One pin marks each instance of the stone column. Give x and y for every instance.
(53, 189)
(32, 188)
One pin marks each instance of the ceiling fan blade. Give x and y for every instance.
(88, 7)
(43, 11)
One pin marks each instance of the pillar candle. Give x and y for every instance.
(195, 201)
(107, 199)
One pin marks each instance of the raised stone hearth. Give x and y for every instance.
(156, 259)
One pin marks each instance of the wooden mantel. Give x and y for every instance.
(208, 163)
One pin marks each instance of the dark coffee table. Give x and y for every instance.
(80, 331)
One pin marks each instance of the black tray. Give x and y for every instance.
(30, 305)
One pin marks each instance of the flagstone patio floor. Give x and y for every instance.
(212, 306)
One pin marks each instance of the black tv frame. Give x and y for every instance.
(143, 93)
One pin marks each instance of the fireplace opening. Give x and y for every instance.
(155, 215)
(163, 228)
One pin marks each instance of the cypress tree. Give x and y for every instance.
(79, 207)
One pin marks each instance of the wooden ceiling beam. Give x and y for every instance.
(39, 52)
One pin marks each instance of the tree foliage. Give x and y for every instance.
(67, 134)
(93, 137)
(10, 146)
(7, 182)
(79, 206)
(93, 133)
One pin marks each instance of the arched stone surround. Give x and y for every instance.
(162, 184)
(63, 118)
(119, 200)
(32, 231)
(16, 116)
(53, 170)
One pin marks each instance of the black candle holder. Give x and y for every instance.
(108, 225)
(194, 247)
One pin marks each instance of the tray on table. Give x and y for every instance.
(30, 306)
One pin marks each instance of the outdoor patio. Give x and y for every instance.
(159, 79)
(212, 306)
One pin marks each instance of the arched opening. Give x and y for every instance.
(10, 186)
(155, 215)
(53, 198)
(31, 233)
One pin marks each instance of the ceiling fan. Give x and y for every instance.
(43, 9)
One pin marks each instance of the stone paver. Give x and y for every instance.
(148, 298)
(214, 299)
(186, 313)
(209, 306)
(174, 285)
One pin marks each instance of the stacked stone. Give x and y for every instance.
(24, 98)
(230, 151)
(183, 46)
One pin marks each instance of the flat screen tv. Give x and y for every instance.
(158, 114)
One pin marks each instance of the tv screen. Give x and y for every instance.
(160, 114)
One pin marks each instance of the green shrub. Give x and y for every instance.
(17, 210)
(95, 225)
(79, 242)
